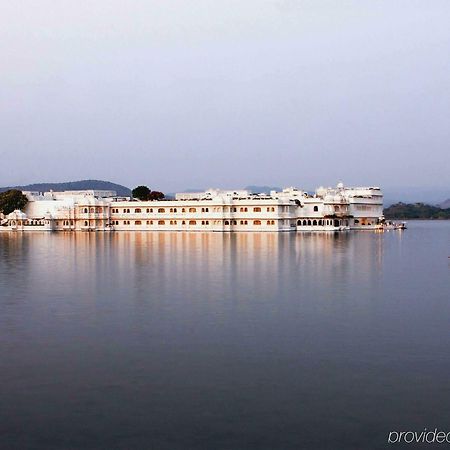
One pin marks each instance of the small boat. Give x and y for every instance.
(389, 225)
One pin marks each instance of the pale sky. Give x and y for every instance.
(182, 94)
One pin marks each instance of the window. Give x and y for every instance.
(149, 222)
(257, 209)
(316, 208)
(86, 223)
(149, 210)
(191, 210)
(309, 222)
(85, 210)
(205, 209)
(137, 222)
(161, 222)
(227, 222)
(161, 210)
(183, 222)
(137, 210)
(173, 222)
(256, 222)
(314, 222)
(183, 210)
(192, 222)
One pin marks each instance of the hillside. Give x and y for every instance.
(446, 204)
(73, 186)
(416, 211)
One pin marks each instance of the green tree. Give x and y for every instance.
(12, 200)
(156, 195)
(141, 193)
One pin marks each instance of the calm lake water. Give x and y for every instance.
(218, 341)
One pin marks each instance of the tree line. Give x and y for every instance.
(416, 211)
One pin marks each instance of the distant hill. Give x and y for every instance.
(260, 189)
(446, 204)
(73, 186)
(416, 211)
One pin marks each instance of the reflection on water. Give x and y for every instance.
(208, 340)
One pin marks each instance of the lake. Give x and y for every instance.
(223, 341)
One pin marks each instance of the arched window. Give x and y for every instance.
(314, 222)
(256, 222)
(137, 210)
(227, 222)
(309, 222)
(161, 222)
(257, 209)
(320, 222)
(86, 210)
(86, 223)
(161, 210)
(192, 222)
(191, 210)
(183, 222)
(316, 208)
(183, 210)
(137, 222)
(299, 222)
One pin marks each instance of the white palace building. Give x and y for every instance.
(328, 209)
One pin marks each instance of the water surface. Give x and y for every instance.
(223, 341)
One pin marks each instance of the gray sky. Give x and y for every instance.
(179, 94)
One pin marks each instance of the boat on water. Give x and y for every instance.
(388, 225)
